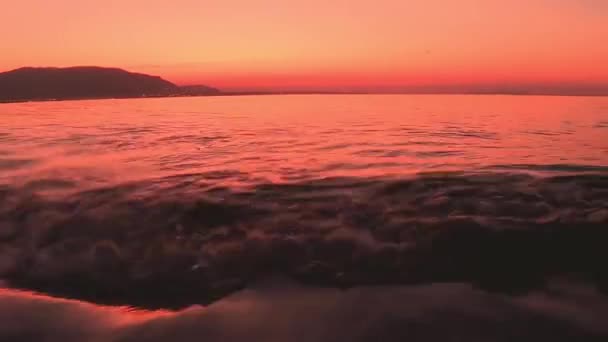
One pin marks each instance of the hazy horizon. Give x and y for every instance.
(384, 45)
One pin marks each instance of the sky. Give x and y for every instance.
(318, 44)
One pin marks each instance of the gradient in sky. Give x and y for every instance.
(321, 44)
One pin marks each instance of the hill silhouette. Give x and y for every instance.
(195, 90)
(87, 83)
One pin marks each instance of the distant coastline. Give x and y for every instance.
(97, 83)
(253, 93)
(88, 83)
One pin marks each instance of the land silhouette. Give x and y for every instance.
(27, 84)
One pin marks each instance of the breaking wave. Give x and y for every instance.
(177, 241)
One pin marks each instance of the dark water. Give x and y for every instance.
(165, 203)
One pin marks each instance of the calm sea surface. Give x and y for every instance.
(163, 203)
(258, 139)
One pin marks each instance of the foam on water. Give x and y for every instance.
(178, 241)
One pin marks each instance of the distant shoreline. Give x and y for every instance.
(35, 84)
(223, 94)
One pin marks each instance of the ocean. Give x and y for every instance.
(165, 203)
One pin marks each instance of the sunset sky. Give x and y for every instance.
(320, 44)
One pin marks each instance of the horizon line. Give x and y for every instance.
(566, 88)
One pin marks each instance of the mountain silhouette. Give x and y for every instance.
(87, 83)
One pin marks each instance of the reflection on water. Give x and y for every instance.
(251, 140)
(278, 311)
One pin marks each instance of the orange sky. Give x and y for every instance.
(281, 44)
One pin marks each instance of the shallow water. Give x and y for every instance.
(277, 310)
(163, 203)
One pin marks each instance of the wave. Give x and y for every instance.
(176, 241)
